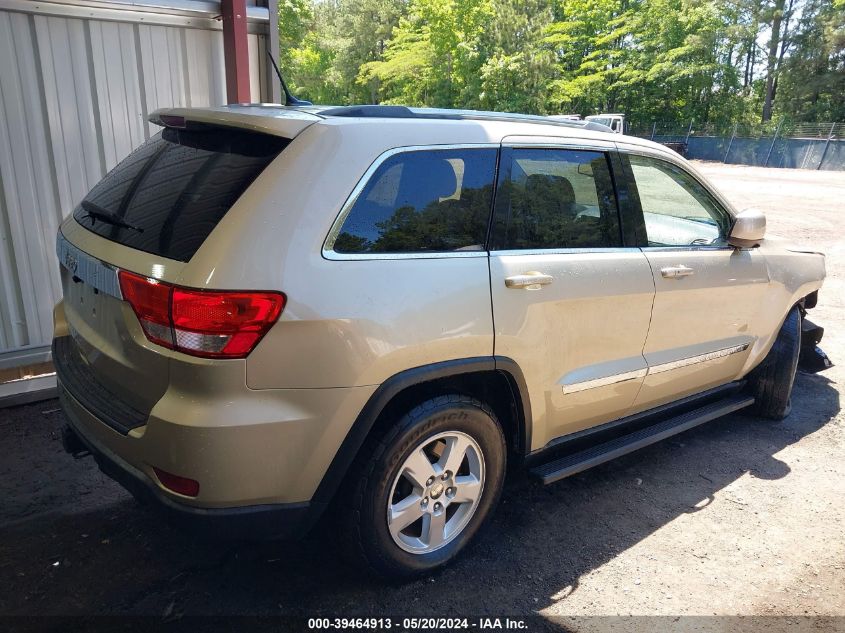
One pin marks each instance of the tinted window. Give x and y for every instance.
(677, 210)
(174, 189)
(552, 198)
(423, 201)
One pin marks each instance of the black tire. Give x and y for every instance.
(365, 537)
(771, 381)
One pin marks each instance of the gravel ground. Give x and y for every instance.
(738, 517)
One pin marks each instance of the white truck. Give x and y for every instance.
(616, 122)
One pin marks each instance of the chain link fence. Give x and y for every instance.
(790, 145)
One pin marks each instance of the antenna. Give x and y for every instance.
(290, 100)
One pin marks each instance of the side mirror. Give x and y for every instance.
(748, 230)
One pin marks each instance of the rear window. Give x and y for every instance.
(553, 199)
(169, 194)
(423, 201)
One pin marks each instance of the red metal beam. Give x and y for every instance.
(235, 50)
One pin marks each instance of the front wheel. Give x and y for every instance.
(419, 494)
(771, 382)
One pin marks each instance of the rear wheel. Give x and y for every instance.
(419, 494)
(772, 381)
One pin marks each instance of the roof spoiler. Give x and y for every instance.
(266, 119)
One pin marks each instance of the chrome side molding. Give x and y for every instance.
(701, 358)
(603, 382)
(613, 379)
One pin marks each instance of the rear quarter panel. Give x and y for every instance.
(346, 323)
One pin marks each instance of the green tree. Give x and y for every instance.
(434, 56)
(295, 22)
(649, 58)
(586, 39)
(340, 37)
(719, 61)
(515, 74)
(811, 85)
(779, 16)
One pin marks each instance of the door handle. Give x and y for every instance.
(673, 272)
(532, 280)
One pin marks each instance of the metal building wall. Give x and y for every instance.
(77, 82)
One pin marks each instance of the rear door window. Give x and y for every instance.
(554, 199)
(168, 195)
(423, 201)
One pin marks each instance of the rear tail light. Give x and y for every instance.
(150, 300)
(211, 324)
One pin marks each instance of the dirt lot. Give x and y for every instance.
(741, 516)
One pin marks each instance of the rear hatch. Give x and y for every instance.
(149, 215)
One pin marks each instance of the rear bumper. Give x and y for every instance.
(79, 380)
(251, 451)
(284, 520)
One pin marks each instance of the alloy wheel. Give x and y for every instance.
(435, 492)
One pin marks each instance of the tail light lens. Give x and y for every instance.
(150, 300)
(210, 324)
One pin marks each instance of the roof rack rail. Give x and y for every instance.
(383, 112)
(404, 112)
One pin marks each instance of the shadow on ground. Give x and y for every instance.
(72, 542)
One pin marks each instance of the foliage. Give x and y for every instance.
(713, 61)
(813, 81)
(434, 56)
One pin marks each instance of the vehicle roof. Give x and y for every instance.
(459, 126)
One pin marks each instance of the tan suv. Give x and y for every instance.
(273, 310)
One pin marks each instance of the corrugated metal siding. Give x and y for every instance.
(74, 98)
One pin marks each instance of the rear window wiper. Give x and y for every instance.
(96, 212)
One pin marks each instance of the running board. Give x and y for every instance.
(575, 463)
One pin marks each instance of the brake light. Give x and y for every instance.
(150, 299)
(210, 324)
(171, 120)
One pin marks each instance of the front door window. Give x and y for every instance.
(677, 210)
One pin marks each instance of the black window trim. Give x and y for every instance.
(330, 254)
(635, 212)
(613, 163)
